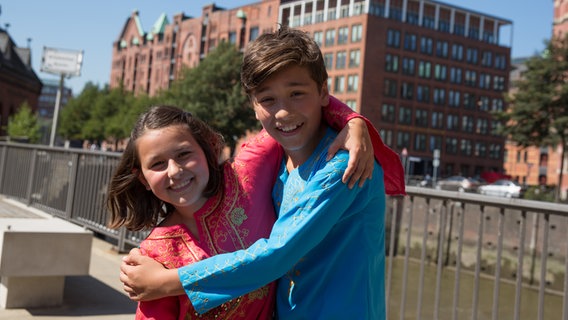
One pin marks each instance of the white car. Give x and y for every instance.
(502, 188)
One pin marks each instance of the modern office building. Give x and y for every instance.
(18, 81)
(427, 73)
(46, 106)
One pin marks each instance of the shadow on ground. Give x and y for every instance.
(87, 296)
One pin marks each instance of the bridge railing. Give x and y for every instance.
(445, 250)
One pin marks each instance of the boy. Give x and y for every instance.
(326, 248)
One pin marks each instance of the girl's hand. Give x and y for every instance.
(146, 279)
(355, 138)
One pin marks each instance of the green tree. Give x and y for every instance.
(538, 113)
(24, 125)
(212, 92)
(77, 112)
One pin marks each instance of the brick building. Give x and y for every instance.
(426, 73)
(18, 81)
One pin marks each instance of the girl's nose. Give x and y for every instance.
(174, 168)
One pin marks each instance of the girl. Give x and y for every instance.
(170, 179)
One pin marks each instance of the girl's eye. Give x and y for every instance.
(157, 165)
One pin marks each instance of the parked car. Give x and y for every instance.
(459, 183)
(503, 188)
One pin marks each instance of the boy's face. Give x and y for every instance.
(289, 106)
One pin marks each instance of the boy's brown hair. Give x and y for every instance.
(271, 52)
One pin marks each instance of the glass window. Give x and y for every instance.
(471, 55)
(357, 33)
(354, 58)
(340, 60)
(253, 34)
(353, 83)
(328, 60)
(402, 139)
(440, 72)
(424, 69)
(437, 120)
(339, 84)
(439, 96)
(420, 142)
(387, 113)
(390, 88)
(318, 37)
(421, 118)
(329, 37)
(405, 115)
(343, 35)
(410, 42)
(426, 45)
(457, 52)
(442, 49)
(408, 66)
(423, 93)
(393, 38)
(391, 63)
(407, 91)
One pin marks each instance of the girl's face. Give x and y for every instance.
(174, 167)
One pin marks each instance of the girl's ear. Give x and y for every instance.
(141, 178)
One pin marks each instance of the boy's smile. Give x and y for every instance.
(289, 106)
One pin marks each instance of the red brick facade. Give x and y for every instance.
(426, 73)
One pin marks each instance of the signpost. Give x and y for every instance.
(435, 164)
(65, 63)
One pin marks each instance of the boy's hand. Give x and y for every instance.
(355, 138)
(146, 279)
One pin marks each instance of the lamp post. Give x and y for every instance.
(404, 155)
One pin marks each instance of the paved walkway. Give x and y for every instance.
(96, 296)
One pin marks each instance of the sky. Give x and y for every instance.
(93, 26)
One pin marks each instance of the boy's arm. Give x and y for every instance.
(213, 281)
(338, 115)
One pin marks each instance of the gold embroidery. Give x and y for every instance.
(238, 216)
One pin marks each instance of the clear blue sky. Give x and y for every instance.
(93, 26)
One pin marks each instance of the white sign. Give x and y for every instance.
(61, 61)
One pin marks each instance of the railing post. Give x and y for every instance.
(31, 177)
(72, 182)
(2, 166)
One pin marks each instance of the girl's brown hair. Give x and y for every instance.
(128, 201)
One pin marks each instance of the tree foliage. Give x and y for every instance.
(24, 125)
(211, 91)
(538, 109)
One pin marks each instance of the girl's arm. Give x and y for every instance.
(339, 115)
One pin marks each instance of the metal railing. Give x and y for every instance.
(450, 255)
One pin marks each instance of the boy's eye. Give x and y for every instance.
(184, 154)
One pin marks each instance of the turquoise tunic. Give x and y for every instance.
(327, 248)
